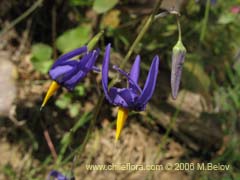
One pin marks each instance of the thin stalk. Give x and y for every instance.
(179, 29)
(80, 149)
(22, 17)
(141, 34)
(205, 21)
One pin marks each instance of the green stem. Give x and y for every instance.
(179, 29)
(141, 34)
(23, 16)
(94, 40)
(205, 20)
(80, 149)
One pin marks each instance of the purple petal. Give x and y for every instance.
(93, 59)
(123, 97)
(105, 67)
(134, 73)
(150, 82)
(58, 71)
(116, 99)
(69, 55)
(71, 72)
(73, 78)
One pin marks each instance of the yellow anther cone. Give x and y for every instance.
(51, 90)
(121, 119)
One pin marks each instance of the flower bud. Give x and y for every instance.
(178, 56)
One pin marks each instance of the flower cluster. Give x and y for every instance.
(70, 68)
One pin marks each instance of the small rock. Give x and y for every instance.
(189, 102)
(8, 90)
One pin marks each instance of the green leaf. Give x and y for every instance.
(42, 66)
(101, 6)
(41, 57)
(73, 38)
(41, 51)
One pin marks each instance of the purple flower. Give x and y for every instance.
(57, 175)
(67, 71)
(133, 97)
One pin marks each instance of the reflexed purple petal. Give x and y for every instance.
(105, 67)
(57, 175)
(58, 71)
(150, 82)
(73, 78)
(79, 71)
(92, 59)
(69, 55)
(134, 73)
(73, 81)
(176, 73)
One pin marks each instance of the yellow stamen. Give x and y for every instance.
(121, 119)
(51, 90)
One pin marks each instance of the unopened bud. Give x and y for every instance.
(178, 57)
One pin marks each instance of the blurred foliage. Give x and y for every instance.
(102, 6)
(41, 57)
(73, 38)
